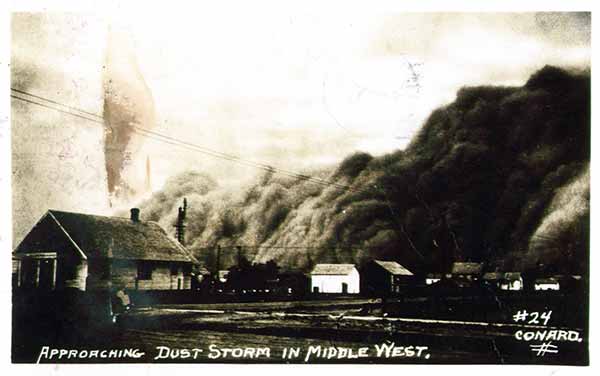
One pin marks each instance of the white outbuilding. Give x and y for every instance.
(335, 278)
(545, 284)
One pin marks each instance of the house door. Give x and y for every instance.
(344, 288)
(46, 281)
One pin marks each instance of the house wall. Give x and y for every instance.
(333, 283)
(513, 285)
(47, 243)
(71, 273)
(547, 286)
(399, 282)
(375, 279)
(125, 276)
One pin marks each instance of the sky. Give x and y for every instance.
(295, 90)
(305, 90)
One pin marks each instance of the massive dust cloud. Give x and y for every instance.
(500, 175)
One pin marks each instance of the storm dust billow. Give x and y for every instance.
(500, 175)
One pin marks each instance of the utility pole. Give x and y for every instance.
(239, 256)
(218, 262)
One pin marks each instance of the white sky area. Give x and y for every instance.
(293, 90)
(305, 90)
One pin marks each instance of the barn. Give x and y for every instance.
(335, 278)
(67, 250)
(384, 277)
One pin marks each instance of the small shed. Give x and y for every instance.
(335, 278)
(493, 278)
(569, 282)
(385, 277)
(432, 278)
(545, 284)
(223, 276)
(467, 270)
(512, 281)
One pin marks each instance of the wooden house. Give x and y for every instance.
(335, 278)
(381, 277)
(90, 252)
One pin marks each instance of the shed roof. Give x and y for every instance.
(98, 236)
(546, 280)
(467, 268)
(512, 276)
(493, 276)
(393, 267)
(333, 269)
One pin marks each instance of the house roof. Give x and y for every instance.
(467, 268)
(493, 276)
(393, 267)
(332, 269)
(97, 236)
(546, 280)
(512, 276)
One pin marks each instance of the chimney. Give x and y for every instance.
(180, 225)
(135, 214)
(239, 255)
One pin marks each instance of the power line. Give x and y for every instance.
(56, 109)
(193, 147)
(58, 103)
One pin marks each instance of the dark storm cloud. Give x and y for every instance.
(477, 183)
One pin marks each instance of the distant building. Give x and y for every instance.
(505, 281)
(432, 278)
(223, 276)
(543, 284)
(467, 270)
(512, 281)
(292, 282)
(569, 282)
(200, 278)
(493, 278)
(379, 277)
(335, 278)
(90, 252)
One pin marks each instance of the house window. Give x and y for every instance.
(174, 269)
(144, 270)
